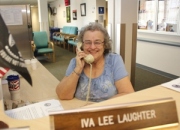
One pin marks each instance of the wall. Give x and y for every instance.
(91, 9)
(35, 18)
(125, 14)
(101, 3)
(111, 21)
(162, 57)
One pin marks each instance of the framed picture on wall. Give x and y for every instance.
(101, 18)
(74, 14)
(83, 9)
(68, 14)
(67, 2)
(101, 10)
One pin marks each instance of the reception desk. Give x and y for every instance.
(44, 84)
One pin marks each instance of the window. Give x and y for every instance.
(146, 14)
(159, 15)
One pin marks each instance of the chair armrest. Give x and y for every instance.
(60, 34)
(71, 36)
(54, 33)
(74, 38)
(63, 33)
(33, 46)
(51, 45)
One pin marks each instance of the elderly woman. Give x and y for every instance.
(108, 77)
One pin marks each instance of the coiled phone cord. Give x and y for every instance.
(89, 85)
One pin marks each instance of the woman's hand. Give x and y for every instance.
(79, 61)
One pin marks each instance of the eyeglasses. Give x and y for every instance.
(97, 43)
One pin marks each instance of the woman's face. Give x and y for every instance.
(93, 43)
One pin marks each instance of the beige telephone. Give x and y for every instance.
(89, 58)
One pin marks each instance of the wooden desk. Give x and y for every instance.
(44, 89)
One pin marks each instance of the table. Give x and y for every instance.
(44, 89)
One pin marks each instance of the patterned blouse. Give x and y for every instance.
(102, 87)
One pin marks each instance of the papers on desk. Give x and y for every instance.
(174, 84)
(36, 110)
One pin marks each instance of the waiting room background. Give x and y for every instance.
(155, 49)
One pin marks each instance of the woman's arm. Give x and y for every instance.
(67, 86)
(124, 86)
(121, 78)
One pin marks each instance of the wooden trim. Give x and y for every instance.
(133, 54)
(122, 40)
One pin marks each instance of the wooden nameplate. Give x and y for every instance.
(154, 114)
(3, 125)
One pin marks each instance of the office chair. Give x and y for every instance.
(41, 45)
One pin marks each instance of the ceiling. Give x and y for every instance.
(20, 2)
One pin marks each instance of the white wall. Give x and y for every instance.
(60, 18)
(129, 16)
(159, 56)
(35, 19)
(100, 3)
(43, 15)
(111, 19)
(123, 12)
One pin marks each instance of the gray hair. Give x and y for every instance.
(97, 27)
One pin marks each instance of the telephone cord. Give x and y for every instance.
(89, 85)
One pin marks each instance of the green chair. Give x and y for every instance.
(59, 39)
(72, 41)
(67, 32)
(41, 45)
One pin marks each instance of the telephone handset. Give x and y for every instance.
(89, 58)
